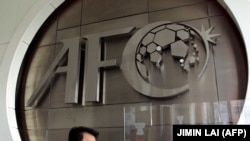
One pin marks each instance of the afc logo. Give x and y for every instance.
(150, 59)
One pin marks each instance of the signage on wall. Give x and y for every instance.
(156, 61)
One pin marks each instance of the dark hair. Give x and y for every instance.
(75, 133)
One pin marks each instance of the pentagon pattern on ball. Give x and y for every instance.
(183, 35)
(155, 57)
(143, 50)
(164, 37)
(179, 49)
(151, 47)
(177, 40)
(148, 39)
(139, 57)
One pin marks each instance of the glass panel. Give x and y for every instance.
(136, 118)
(140, 125)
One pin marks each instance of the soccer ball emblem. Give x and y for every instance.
(160, 58)
(179, 41)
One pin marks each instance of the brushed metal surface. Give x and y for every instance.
(57, 92)
(114, 80)
(43, 103)
(58, 135)
(44, 84)
(215, 9)
(197, 23)
(185, 13)
(72, 70)
(155, 5)
(42, 60)
(230, 61)
(95, 10)
(94, 62)
(111, 116)
(67, 33)
(37, 68)
(35, 135)
(36, 119)
(69, 14)
(113, 86)
(136, 20)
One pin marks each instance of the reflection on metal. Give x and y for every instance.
(91, 91)
(73, 70)
(136, 118)
(140, 131)
(202, 113)
(151, 46)
(93, 62)
(72, 50)
(180, 119)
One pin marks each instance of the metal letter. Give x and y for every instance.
(93, 62)
(73, 70)
(71, 93)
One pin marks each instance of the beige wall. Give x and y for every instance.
(19, 21)
(12, 13)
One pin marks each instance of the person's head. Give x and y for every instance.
(81, 133)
